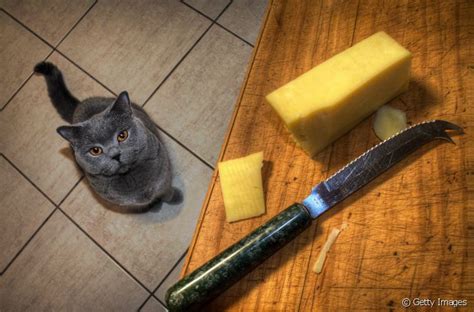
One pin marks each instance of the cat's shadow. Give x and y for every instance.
(67, 152)
(159, 212)
(165, 211)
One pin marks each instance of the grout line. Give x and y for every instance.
(24, 82)
(163, 81)
(235, 35)
(204, 14)
(70, 191)
(57, 207)
(158, 299)
(225, 9)
(167, 275)
(44, 221)
(176, 65)
(103, 249)
(171, 270)
(172, 71)
(187, 52)
(77, 23)
(27, 28)
(144, 302)
(149, 297)
(197, 11)
(28, 241)
(28, 179)
(85, 72)
(152, 295)
(54, 48)
(217, 23)
(46, 196)
(185, 147)
(20, 87)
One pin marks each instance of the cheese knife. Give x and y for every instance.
(225, 269)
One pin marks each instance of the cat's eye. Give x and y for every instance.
(95, 151)
(122, 136)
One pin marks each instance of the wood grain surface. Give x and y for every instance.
(411, 231)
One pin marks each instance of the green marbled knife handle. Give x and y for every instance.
(232, 264)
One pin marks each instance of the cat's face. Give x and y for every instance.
(109, 143)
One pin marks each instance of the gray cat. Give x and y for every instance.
(116, 144)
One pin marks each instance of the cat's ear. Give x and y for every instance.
(70, 133)
(122, 105)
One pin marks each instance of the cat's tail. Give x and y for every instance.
(64, 102)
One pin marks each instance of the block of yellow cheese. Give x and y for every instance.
(241, 184)
(327, 101)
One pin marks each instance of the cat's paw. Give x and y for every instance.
(175, 196)
(45, 68)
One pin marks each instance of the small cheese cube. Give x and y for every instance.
(389, 121)
(330, 99)
(241, 184)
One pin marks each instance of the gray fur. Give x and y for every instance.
(134, 173)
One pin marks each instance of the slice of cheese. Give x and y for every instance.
(241, 184)
(330, 99)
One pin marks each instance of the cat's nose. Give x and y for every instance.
(116, 157)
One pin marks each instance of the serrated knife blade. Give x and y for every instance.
(373, 162)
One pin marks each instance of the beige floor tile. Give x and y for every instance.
(50, 19)
(22, 210)
(63, 270)
(196, 102)
(147, 244)
(210, 8)
(153, 305)
(244, 17)
(32, 143)
(169, 281)
(133, 45)
(19, 51)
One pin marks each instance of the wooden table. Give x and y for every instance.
(411, 231)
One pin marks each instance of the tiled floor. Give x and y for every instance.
(184, 61)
